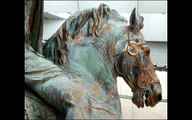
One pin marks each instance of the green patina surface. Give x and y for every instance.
(76, 76)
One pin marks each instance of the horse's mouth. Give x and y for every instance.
(147, 100)
(138, 98)
(141, 98)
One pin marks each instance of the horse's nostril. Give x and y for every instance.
(159, 97)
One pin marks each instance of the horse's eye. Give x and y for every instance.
(137, 40)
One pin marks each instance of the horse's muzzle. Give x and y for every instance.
(159, 98)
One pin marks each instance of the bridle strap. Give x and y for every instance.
(127, 46)
(130, 83)
(125, 50)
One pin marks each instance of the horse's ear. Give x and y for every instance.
(133, 18)
(136, 20)
(140, 22)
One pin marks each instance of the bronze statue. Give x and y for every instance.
(78, 76)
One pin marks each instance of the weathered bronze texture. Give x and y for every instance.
(77, 74)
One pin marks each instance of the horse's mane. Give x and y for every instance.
(84, 23)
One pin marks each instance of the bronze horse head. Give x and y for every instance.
(135, 66)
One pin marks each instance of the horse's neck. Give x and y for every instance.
(93, 59)
(95, 54)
